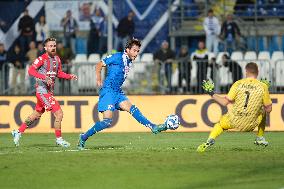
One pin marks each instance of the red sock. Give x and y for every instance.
(23, 128)
(58, 133)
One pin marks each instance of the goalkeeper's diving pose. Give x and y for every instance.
(112, 97)
(251, 102)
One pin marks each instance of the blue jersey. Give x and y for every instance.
(118, 66)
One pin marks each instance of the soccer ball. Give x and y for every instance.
(172, 122)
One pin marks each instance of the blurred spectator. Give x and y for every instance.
(40, 49)
(212, 30)
(234, 68)
(17, 58)
(32, 53)
(184, 67)
(26, 27)
(125, 30)
(230, 32)
(2, 24)
(164, 58)
(201, 57)
(42, 31)
(96, 25)
(3, 68)
(241, 6)
(64, 53)
(103, 38)
(85, 11)
(273, 1)
(66, 56)
(70, 27)
(214, 73)
(31, 56)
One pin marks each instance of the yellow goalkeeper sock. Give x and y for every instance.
(217, 130)
(261, 126)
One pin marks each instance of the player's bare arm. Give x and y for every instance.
(268, 108)
(99, 68)
(221, 100)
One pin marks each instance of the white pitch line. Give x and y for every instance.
(56, 151)
(5, 153)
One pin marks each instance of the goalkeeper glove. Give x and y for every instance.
(266, 82)
(208, 87)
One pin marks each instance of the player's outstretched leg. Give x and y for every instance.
(98, 126)
(17, 133)
(217, 130)
(135, 112)
(57, 125)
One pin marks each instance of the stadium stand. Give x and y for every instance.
(263, 55)
(147, 57)
(237, 55)
(277, 55)
(261, 27)
(94, 58)
(250, 55)
(80, 58)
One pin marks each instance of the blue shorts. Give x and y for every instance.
(110, 100)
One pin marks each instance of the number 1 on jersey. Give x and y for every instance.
(247, 99)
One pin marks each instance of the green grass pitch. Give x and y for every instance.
(143, 160)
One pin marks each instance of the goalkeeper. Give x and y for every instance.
(251, 102)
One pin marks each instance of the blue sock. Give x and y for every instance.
(100, 125)
(135, 112)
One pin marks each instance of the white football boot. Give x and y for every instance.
(61, 142)
(16, 137)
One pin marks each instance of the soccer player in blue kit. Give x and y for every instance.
(111, 96)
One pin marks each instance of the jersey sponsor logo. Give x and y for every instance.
(51, 74)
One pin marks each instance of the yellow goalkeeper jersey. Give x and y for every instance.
(248, 97)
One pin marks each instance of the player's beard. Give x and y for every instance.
(52, 53)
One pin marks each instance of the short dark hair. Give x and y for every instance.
(48, 39)
(252, 68)
(131, 42)
(227, 56)
(210, 11)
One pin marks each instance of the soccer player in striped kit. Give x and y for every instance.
(45, 69)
